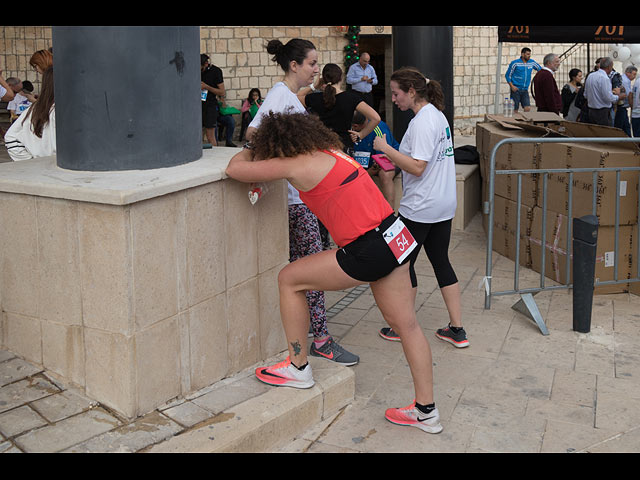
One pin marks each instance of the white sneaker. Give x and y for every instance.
(284, 374)
(412, 417)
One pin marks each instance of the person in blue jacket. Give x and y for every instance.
(519, 76)
(364, 150)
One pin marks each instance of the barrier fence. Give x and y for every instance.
(526, 304)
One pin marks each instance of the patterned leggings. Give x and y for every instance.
(304, 239)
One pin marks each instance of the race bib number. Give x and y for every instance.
(400, 240)
(363, 158)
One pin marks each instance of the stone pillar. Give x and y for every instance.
(127, 98)
(430, 50)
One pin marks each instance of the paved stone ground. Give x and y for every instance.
(512, 390)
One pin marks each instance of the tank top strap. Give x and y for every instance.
(337, 154)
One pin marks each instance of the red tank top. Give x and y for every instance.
(347, 201)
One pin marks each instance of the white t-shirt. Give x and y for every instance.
(280, 99)
(431, 197)
(19, 104)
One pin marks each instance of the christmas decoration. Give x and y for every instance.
(352, 51)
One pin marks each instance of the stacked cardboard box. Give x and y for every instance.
(561, 155)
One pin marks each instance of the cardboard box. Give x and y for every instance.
(561, 155)
(504, 229)
(556, 251)
(592, 155)
(509, 157)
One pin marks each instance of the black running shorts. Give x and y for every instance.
(368, 258)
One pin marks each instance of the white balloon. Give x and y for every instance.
(634, 48)
(621, 55)
(613, 49)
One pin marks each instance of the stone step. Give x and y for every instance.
(267, 417)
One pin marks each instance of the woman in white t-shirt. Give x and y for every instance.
(299, 60)
(428, 202)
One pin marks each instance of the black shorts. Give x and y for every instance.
(368, 258)
(209, 115)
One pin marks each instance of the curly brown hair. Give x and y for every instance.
(291, 134)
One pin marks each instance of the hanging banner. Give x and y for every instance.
(569, 34)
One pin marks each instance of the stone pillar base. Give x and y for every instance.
(140, 286)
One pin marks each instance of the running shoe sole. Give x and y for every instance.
(424, 426)
(461, 344)
(387, 337)
(270, 376)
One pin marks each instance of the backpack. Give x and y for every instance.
(466, 155)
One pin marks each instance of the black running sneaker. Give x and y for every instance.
(458, 340)
(388, 334)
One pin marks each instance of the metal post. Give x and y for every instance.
(585, 240)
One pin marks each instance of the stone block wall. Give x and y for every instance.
(240, 52)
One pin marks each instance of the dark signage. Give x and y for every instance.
(569, 34)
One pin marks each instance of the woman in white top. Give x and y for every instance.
(428, 202)
(33, 134)
(298, 58)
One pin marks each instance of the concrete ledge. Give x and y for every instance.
(265, 419)
(42, 177)
(468, 194)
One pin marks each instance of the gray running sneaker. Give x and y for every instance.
(334, 352)
(458, 340)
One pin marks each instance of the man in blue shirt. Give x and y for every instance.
(519, 76)
(362, 77)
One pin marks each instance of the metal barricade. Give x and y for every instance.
(527, 304)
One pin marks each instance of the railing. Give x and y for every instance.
(527, 305)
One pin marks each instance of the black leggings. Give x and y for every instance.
(435, 239)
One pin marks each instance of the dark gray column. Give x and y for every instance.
(430, 50)
(127, 98)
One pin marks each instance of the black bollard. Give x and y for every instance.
(585, 241)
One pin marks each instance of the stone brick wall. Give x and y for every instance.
(240, 52)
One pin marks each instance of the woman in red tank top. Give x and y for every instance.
(301, 149)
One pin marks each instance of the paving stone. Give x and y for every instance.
(627, 442)
(19, 420)
(563, 437)
(5, 355)
(521, 435)
(8, 447)
(68, 432)
(574, 387)
(145, 431)
(187, 414)
(16, 369)
(62, 405)
(229, 394)
(24, 391)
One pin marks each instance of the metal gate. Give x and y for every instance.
(527, 304)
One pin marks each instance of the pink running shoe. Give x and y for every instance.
(284, 374)
(412, 417)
